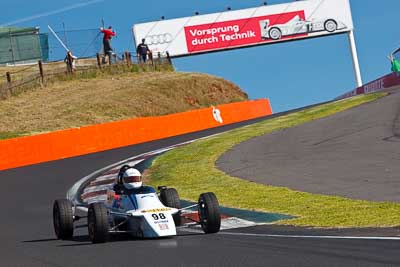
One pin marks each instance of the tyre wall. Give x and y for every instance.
(22, 151)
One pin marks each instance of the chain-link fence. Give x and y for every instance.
(82, 43)
(27, 45)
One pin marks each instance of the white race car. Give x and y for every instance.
(298, 26)
(140, 212)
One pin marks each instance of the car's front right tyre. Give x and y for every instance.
(98, 225)
(63, 219)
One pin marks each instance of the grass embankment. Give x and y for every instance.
(191, 169)
(104, 97)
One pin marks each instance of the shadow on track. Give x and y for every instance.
(84, 240)
(40, 240)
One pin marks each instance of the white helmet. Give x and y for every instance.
(132, 177)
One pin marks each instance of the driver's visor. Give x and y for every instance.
(132, 179)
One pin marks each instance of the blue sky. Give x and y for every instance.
(292, 74)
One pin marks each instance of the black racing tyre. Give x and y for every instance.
(170, 198)
(330, 25)
(63, 219)
(210, 217)
(275, 33)
(98, 223)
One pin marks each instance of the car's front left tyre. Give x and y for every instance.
(98, 225)
(209, 214)
(63, 219)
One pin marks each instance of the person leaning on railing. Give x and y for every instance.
(70, 60)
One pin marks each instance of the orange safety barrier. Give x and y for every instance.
(22, 151)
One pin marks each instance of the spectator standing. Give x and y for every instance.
(143, 50)
(108, 34)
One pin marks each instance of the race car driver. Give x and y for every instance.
(129, 181)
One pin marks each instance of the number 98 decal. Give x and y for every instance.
(158, 216)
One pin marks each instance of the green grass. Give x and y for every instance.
(6, 135)
(191, 169)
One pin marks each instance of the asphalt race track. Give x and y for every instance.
(27, 237)
(355, 154)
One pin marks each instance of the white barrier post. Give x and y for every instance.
(356, 65)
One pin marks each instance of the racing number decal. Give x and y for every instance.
(159, 216)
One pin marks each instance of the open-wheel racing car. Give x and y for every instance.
(138, 210)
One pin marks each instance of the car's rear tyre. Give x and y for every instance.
(275, 33)
(98, 223)
(63, 219)
(330, 25)
(210, 217)
(170, 198)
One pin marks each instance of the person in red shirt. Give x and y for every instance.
(108, 34)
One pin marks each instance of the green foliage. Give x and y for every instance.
(6, 135)
(135, 68)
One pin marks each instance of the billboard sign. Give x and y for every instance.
(246, 27)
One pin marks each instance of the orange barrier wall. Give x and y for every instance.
(22, 151)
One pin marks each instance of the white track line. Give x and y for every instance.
(313, 237)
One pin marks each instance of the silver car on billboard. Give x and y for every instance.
(298, 25)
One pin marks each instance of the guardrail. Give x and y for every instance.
(377, 85)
